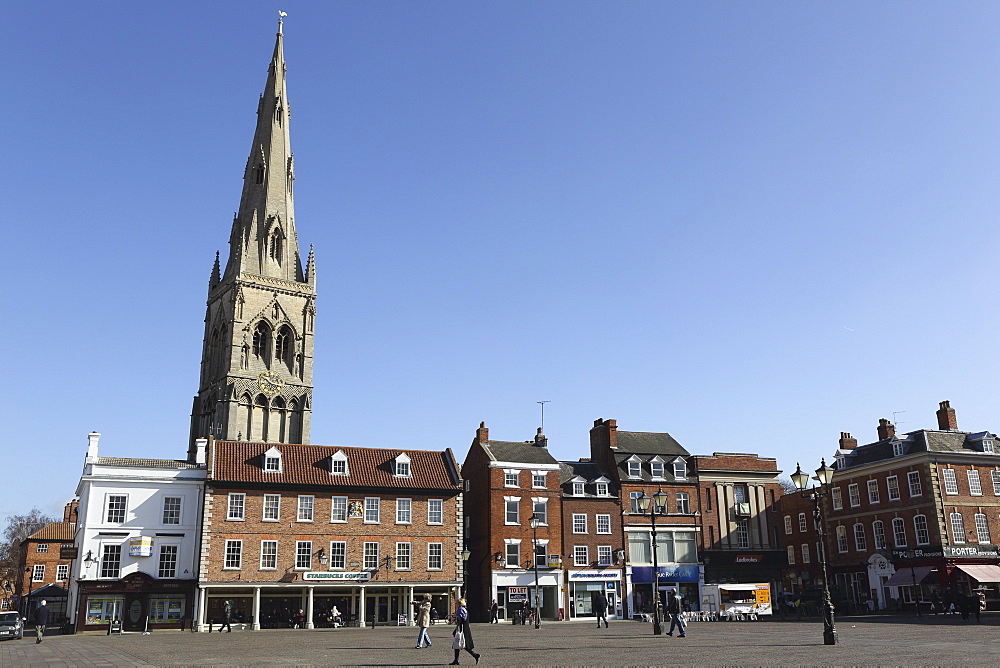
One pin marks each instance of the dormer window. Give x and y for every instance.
(897, 449)
(338, 463)
(988, 445)
(602, 489)
(634, 468)
(680, 469)
(577, 489)
(272, 461)
(656, 467)
(402, 466)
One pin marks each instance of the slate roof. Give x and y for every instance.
(522, 452)
(923, 440)
(310, 465)
(639, 442)
(146, 463)
(588, 471)
(62, 531)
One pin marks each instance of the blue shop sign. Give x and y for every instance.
(671, 573)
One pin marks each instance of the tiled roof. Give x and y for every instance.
(310, 465)
(643, 443)
(923, 440)
(586, 470)
(54, 531)
(146, 463)
(520, 452)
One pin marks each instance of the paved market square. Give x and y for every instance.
(878, 640)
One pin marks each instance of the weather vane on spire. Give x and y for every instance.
(281, 15)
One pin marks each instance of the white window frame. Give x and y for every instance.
(982, 528)
(175, 513)
(899, 532)
(372, 555)
(511, 478)
(860, 539)
(512, 506)
(272, 502)
(878, 534)
(634, 468)
(633, 498)
(338, 509)
(118, 512)
(237, 508)
(914, 484)
(165, 550)
(897, 449)
(303, 555)
(580, 523)
(404, 556)
(975, 484)
(373, 513)
(233, 555)
(950, 481)
(272, 463)
(338, 464)
(791, 555)
(841, 534)
(581, 555)
(404, 510)
(38, 573)
(512, 548)
(402, 467)
(604, 555)
(806, 557)
(62, 572)
(680, 470)
(995, 475)
(435, 508)
(601, 489)
(602, 523)
(854, 494)
(338, 555)
(306, 509)
(683, 502)
(873, 493)
(435, 556)
(535, 475)
(578, 489)
(42, 548)
(657, 469)
(957, 523)
(892, 487)
(110, 553)
(266, 557)
(540, 509)
(788, 525)
(836, 498)
(803, 523)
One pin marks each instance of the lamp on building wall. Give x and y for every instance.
(499, 559)
(465, 571)
(657, 505)
(322, 556)
(534, 521)
(824, 475)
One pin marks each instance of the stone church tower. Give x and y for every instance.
(257, 357)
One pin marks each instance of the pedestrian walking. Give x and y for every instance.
(424, 621)
(41, 620)
(674, 611)
(300, 619)
(494, 612)
(227, 617)
(462, 635)
(601, 608)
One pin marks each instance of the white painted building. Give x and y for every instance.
(137, 538)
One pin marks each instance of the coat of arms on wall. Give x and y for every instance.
(355, 509)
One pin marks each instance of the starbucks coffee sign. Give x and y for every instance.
(337, 576)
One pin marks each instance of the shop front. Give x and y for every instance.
(733, 566)
(136, 600)
(944, 573)
(584, 588)
(684, 578)
(358, 600)
(514, 591)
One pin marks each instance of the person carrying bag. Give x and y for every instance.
(462, 635)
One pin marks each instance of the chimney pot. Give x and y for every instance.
(847, 442)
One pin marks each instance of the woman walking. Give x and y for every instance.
(462, 633)
(423, 621)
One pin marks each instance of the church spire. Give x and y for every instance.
(264, 241)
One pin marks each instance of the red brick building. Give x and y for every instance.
(508, 483)
(45, 558)
(917, 507)
(641, 463)
(592, 536)
(290, 527)
(739, 523)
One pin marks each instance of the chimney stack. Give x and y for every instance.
(946, 417)
(70, 511)
(200, 445)
(847, 442)
(482, 434)
(886, 429)
(92, 439)
(540, 439)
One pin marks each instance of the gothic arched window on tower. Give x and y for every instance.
(274, 246)
(258, 174)
(283, 346)
(213, 353)
(262, 342)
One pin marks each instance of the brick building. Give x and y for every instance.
(739, 525)
(592, 536)
(916, 507)
(45, 557)
(640, 463)
(290, 527)
(508, 482)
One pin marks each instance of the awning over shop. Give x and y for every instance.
(981, 572)
(905, 577)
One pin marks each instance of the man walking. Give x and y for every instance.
(41, 620)
(494, 610)
(227, 617)
(674, 611)
(601, 608)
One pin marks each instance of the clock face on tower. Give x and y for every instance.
(270, 383)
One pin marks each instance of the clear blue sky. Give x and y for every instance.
(751, 225)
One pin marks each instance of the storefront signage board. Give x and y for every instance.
(336, 576)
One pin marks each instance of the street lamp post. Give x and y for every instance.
(465, 572)
(534, 521)
(657, 507)
(824, 474)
